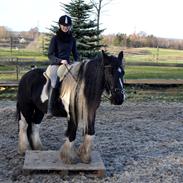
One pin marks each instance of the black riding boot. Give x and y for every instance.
(51, 99)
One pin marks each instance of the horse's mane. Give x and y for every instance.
(93, 76)
(90, 73)
(87, 87)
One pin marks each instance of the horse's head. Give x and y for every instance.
(113, 74)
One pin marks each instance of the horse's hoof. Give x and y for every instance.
(20, 152)
(67, 160)
(69, 157)
(39, 147)
(84, 157)
(22, 149)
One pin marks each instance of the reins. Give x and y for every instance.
(69, 71)
(106, 97)
(106, 66)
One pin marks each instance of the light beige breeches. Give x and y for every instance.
(54, 71)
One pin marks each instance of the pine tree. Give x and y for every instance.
(84, 30)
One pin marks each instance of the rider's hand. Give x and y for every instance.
(64, 62)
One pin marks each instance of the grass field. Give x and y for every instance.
(152, 55)
(22, 53)
(149, 72)
(139, 93)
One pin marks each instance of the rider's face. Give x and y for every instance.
(65, 28)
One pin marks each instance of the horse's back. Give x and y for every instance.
(33, 75)
(33, 79)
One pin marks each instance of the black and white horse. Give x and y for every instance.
(80, 93)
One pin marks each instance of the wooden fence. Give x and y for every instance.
(18, 66)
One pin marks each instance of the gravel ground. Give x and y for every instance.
(138, 142)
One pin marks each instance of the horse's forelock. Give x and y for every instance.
(112, 60)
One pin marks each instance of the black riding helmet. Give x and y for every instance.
(65, 20)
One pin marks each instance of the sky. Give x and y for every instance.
(162, 18)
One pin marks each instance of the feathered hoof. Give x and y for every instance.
(85, 159)
(69, 157)
(21, 152)
(22, 148)
(83, 155)
(38, 146)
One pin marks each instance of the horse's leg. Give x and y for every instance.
(67, 151)
(23, 142)
(35, 138)
(26, 128)
(85, 148)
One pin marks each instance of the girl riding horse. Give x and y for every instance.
(80, 93)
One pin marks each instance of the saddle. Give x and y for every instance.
(62, 71)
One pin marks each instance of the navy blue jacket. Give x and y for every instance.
(61, 47)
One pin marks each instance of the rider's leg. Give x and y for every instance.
(52, 74)
(56, 74)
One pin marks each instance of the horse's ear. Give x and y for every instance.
(104, 54)
(104, 57)
(120, 56)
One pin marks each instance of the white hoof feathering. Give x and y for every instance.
(37, 145)
(23, 143)
(67, 152)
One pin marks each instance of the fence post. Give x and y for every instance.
(17, 70)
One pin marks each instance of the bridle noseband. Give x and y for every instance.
(113, 90)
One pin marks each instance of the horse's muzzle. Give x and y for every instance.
(118, 97)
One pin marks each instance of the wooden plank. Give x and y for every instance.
(8, 59)
(8, 72)
(8, 83)
(50, 160)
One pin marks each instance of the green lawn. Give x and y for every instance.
(148, 72)
(153, 55)
(131, 55)
(149, 54)
(22, 53)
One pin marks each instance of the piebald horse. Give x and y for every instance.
(79, 96)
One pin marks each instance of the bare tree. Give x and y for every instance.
(98, 5)
(4, 32)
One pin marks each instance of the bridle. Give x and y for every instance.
(113, 90)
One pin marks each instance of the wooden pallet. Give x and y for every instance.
(49, 160)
